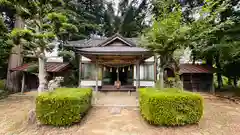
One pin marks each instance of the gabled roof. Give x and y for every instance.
(94, 42)
(195, 68)
(117, 37)
(50, 67)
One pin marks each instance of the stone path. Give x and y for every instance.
(115, 99)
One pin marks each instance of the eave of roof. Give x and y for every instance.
(94, 42)
(114, 50)
(50, 67)
(195, 68)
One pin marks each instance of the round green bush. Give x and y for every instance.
(64, 106)
(170, 107)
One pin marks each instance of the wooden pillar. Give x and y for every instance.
(137, 74)
(117, 73)
(182, 81)
(193, 84)
(23, 83)
(96, 87)
(155, 68)
(79, 70)
(212, 87)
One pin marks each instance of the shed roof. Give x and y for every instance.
(50, 67)
(195, 68)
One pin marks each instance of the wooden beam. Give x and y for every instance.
(23, 83)
(96, 87)
(79, 71)
(155, 68)
(137, 74)
(212, 87)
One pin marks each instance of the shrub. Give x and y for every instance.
(170, 107)
(3, 92)
(64, 106)
(2, 84)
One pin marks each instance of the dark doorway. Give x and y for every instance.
(111, 74)
(123, 75)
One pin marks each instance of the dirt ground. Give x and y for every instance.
(221, 117)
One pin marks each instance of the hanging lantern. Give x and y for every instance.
(129, 68)
(123, 70)
(117, 70)
(104, 68)
(110, 69)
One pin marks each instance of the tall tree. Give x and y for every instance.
(4, 48)
(129, 20)
(165, 36)
(211, 47)
(170, 30)
(14, 8)
(43, 27)
(86, 15)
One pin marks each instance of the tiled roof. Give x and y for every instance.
(50, 67)
(119, 37)
(93, 42)
(113, 49)
(194, 68)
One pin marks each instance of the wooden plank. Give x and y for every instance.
(23, 83)
(96, 88)
(80, 71)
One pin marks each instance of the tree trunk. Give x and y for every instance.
(161, 80)
(219, 74)
(15, 60)
(42, 75)
(235, 81)
(209, 61)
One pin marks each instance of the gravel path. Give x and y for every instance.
(221, 117)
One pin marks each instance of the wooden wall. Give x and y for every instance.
(197, 82)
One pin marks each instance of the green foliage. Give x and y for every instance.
(64, 106)
(57, 17)
(2, 84)
(17, 34)
(167, 34)
(86, 15)
(170, 107)
(5, 48)
(3, 92)
(33, 68)
(44, 24)
(214, 37)
(129, 20)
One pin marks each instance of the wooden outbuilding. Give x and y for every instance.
(197, 77)
(30, 76)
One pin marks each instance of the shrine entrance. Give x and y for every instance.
(118, 58)
(122, 74)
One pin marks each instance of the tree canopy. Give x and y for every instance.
(129, 19)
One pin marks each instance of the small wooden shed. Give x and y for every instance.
(30, 79)
(197, 77)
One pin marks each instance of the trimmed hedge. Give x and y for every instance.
(64, 106)
(170, 107)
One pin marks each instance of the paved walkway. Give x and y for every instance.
(115, 99)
